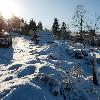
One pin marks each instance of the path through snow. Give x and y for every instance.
(20, 64)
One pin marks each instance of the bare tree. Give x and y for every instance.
(97, 23)
(79, 19)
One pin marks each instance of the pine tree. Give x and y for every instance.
(39, 26)
(32, 25)
(63, 27)
(55, 27)
(26, 29)
(63, 30)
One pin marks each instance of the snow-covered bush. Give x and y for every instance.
(44, 77)
(47, 79)
(78, 54)
(56, 90)
(72, 85)
(52, 82)
(76, 71)
(85, 52)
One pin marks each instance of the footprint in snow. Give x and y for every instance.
(15, 67)
(8, 78)
(27, 71)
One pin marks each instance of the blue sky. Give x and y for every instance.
(47, 10)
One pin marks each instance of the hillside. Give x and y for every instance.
(49, 70)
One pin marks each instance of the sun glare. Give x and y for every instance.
(8, 8)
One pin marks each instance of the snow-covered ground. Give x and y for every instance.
(49, 70)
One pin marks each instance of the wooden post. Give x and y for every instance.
(95, 81)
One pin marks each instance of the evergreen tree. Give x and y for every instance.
(55, 27)
(63, 27)
(26, 29)
(39, 26)
(32, 25)
(63, 30)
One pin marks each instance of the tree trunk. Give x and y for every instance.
(81, 31)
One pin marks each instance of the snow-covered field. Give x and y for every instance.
(47, 71)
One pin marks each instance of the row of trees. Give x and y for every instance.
(31, 26)
(19, 25)
(60, 32)
(84, 31)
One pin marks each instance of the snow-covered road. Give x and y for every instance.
(22, 52)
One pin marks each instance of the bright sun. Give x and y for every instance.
(8, 8)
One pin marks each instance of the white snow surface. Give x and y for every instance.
(48, 70)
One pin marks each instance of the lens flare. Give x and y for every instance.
(8, 8)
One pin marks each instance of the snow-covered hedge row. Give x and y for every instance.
(70, 85)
